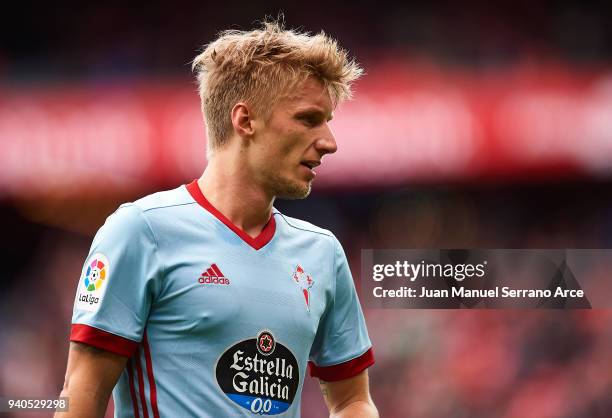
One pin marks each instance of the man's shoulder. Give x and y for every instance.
(153, 206)
(301, 226)
(163, 200)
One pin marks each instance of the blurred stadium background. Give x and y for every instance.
(479, 124)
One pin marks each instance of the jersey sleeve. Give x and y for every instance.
(118, 283)
(342, 347)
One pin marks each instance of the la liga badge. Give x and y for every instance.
(93, 283)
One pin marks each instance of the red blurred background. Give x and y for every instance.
(477, 125)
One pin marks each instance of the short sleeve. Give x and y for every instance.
(342, 347)
(118, 283)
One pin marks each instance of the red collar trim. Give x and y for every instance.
(258, 242)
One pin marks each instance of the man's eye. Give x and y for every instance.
(310, 120)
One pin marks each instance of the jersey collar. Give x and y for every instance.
(267, 233)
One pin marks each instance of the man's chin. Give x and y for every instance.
(293, 191)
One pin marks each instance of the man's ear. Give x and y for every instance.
(242, 120)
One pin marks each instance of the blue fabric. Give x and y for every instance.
(218, 349)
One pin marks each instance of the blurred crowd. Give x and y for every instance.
(71, 40)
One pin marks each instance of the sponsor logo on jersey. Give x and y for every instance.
(304, 282)
(213, 275)
(265, 343)
(92, 286)
(260, 374)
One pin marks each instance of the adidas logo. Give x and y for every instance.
(213, 275)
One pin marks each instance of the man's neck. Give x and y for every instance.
(229, 189)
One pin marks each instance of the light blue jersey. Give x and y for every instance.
(216, 323)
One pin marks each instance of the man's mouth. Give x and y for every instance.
(311, 164)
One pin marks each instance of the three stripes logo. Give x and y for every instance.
(213, 275)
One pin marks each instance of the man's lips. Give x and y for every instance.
(310, 165)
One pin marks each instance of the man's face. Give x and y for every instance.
(294, 139)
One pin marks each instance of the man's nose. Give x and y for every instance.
(327, 143)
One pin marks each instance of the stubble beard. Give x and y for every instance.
(291, 190)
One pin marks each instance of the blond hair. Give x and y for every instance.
(261, 66)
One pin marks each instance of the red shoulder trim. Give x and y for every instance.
(343, 370)
(101, 339)
(258, 242)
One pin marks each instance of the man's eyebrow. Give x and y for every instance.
(314, 111)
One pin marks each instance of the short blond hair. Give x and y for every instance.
(261, 66)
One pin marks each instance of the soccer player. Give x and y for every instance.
(205, 301)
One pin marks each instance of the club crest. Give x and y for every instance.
(304, 281)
